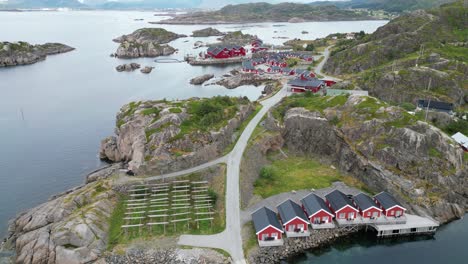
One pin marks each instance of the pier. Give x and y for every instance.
(193, 61)
(414, 225)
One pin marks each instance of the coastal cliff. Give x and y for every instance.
(386, 148)
(163, 136)
(23, 53)
(146, 42)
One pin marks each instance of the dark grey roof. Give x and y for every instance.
(313, 203)
(275, 68)
(436, 105)
(300, 71)
(286, 69)
(288, 210)
(338, 200)
(364, 202)
(247, 64)
(387, 200)
(263, 218)
(306, 83)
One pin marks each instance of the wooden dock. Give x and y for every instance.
(414, 225)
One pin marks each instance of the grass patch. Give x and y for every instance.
(433, 152)
(310, 102)
(209, 114)
(294, 173)
(251, 240)
(175, 110)
(115, 223)
(151, 111)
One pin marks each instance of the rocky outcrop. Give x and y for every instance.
(22, 53)
(127, 67)
(201, 79)
(70, 228)
(387, 150)
(237, 78)
(146, 42)
(147, 69)
(237, 38)
(207, 32)
(149, 136)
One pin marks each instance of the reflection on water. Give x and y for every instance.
(447, 245)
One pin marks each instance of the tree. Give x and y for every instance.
(310, 47)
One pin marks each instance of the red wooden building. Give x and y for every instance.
(224, 52)
(316, 210)
(329, 83)
(267, 227)
(341, 205)
(293, 218)
(367, 206)
(389, 205)
(300, 86)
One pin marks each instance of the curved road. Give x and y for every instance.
(318, 69)
(230, 240)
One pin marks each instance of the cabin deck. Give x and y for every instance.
(271, 243)
(323, 226)
(298, 234)
(383, 220)
(414, 225)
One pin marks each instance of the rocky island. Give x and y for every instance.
(146, 42)
(265, 12)
(23, 53)
(207, 32)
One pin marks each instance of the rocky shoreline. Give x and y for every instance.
(23, 53)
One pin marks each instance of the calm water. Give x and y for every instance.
(447, 246)
(69, 101)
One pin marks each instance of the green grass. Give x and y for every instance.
(252, 239)
(151, 111)
(310, 102)
(115, 223)
(216, 191)
(294, 173)
(209, 114)
(175, 110)
(433, 152)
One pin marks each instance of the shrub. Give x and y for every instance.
(408, 106)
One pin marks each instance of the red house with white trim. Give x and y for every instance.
(294, 221)
(367, 206)
(267, 227)
(317, 211)
(341, 206)
(389, 205)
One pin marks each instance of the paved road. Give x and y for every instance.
(230, 239)
(318, 69)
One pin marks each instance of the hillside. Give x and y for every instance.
(422, 54)
(386, 5)
(264, 12)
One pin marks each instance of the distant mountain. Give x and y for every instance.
(265, 12)
(42, 4)
(147, 4)
(387, 5)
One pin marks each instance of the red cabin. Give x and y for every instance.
(316, 210)
(389, 205)
(329, 83)
(293, 218)
(267, 227)
(367, 206)
(341, 205)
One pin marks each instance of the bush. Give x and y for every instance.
(408, 106)
(457, 126)
(310, 47)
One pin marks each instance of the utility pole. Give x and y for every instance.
(421, 53)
